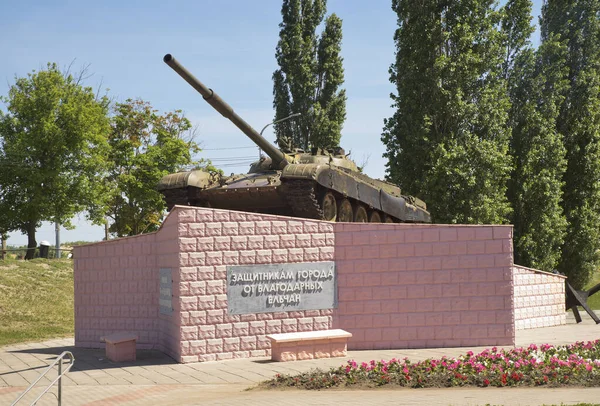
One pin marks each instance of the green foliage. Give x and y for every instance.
(309, 76)
(52, 145)
(447, 141)
(577, 26)
(144, 146)
(536, 84)
(517, 29)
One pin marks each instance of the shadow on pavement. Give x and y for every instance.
(95, 358)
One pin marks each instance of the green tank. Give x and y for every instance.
(322, 184)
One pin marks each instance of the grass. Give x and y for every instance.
(594, 300)
(36, 300)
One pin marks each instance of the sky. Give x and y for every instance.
(228, 44)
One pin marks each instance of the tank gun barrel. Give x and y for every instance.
(278, 157)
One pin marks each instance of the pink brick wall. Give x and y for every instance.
(416, 286)
(399, 286)
(117, 289)
(212, 239)
(539, 298)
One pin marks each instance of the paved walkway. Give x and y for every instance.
(155, 379)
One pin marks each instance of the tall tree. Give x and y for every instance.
(535, 191)
(535, 83)
(144, 146)
(447, 141)
(309, 77)
(53, 145)
(577, 24)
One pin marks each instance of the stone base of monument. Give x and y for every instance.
(309, 345)
(120, 347)
(211, 284)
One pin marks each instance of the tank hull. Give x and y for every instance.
(296, 190)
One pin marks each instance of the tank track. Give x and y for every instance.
(301, 196)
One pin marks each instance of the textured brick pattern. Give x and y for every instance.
(539, 298)
(416, 286)
(311, 349)
(116, 289)
(209, 240)
(399, 286)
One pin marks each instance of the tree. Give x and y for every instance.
(535, 82)
(447, 141)
(53, 145)
(577, 26)
(144, 146)
(309, 76)
(535, 191)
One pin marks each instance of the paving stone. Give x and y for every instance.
(156, 379)
(15, 380)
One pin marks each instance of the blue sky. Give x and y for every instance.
(227, 44)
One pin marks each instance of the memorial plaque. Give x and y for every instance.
(281, 287)
(165, 300)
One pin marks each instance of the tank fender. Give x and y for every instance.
(400, 208)
(396, 206)
(197, 178)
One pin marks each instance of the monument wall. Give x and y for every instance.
(416, 286)
(539, 298)
(118, 283)
(117, 289)
(398, 285)
(209, 241)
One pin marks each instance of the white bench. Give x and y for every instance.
(309, 345)
(120, 347)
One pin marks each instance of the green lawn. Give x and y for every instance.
(594, 301)
(36, 299)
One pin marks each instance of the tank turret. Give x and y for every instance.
(323, 184)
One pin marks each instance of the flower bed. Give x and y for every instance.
(575, 364)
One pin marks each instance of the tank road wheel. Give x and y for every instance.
(329, 207)
(388, 219)
(374, 217)
(344, 211)
(360, 214)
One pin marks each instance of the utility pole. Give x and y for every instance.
(57, 232)
(106, 228)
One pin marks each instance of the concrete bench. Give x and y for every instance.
(120, 347)
(309, 345)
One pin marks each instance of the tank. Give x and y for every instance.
(320, 184)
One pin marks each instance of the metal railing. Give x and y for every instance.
(58, 379)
